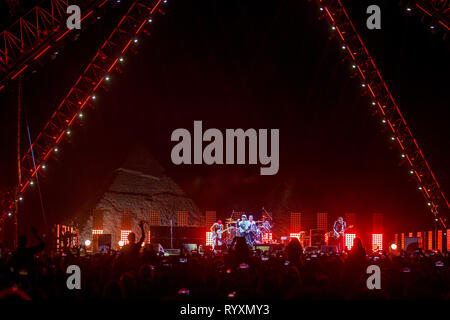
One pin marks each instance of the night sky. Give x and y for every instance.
(248, 64)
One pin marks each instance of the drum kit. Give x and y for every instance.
(257, 234)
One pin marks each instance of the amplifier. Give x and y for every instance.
(317, 237)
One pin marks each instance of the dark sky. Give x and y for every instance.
(250, 64)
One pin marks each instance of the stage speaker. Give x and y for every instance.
(411, 244)
(327, 249)
(104, 242)
(317, 237)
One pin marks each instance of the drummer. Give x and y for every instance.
(266, 224)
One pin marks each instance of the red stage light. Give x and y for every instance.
(430, 240)
(124, 236)
(377, 241)
(349, 237)
(267, 237)
(448, 240)
(439, 240)
(295, 235)
(209, 238)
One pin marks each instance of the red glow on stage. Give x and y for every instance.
(267, 237)
(124, 236)
(439, 240)
(209, 238)
(377, 241)
(448, 240)
(430, 240)
(295, 235)
(349, 237)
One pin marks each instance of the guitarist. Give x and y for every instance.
(252, 231)
(339, 228)
(217, 230)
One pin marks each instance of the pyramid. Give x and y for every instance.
(140, 186)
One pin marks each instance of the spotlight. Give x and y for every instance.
(420, 188)
(9, 214)
(333, 28)
(31, 182)
(411, 172)
(56, 149)
(93, 97)
(343, 47)
(392, 138)
(321, 9)
(107, 78)
(149, 20)
(353, 66)
(68, 132)
(80, 115)
(20, 198)
(121, 59)
(384, 120)
(403, 156)
(374, 103)
(120, 243)
(135, 40)
(408, 9)
(87, 243)
(363, 85)
(43, 166)
(394, 246)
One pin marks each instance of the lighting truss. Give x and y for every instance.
(82, 92)
(34, 34)
(435, 12)
(373, 84)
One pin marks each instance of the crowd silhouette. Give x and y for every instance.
(284, 272)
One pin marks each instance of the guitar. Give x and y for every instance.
(219, 232)
(337, 235)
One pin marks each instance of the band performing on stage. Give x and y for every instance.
(254, 230)
(246, 227)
